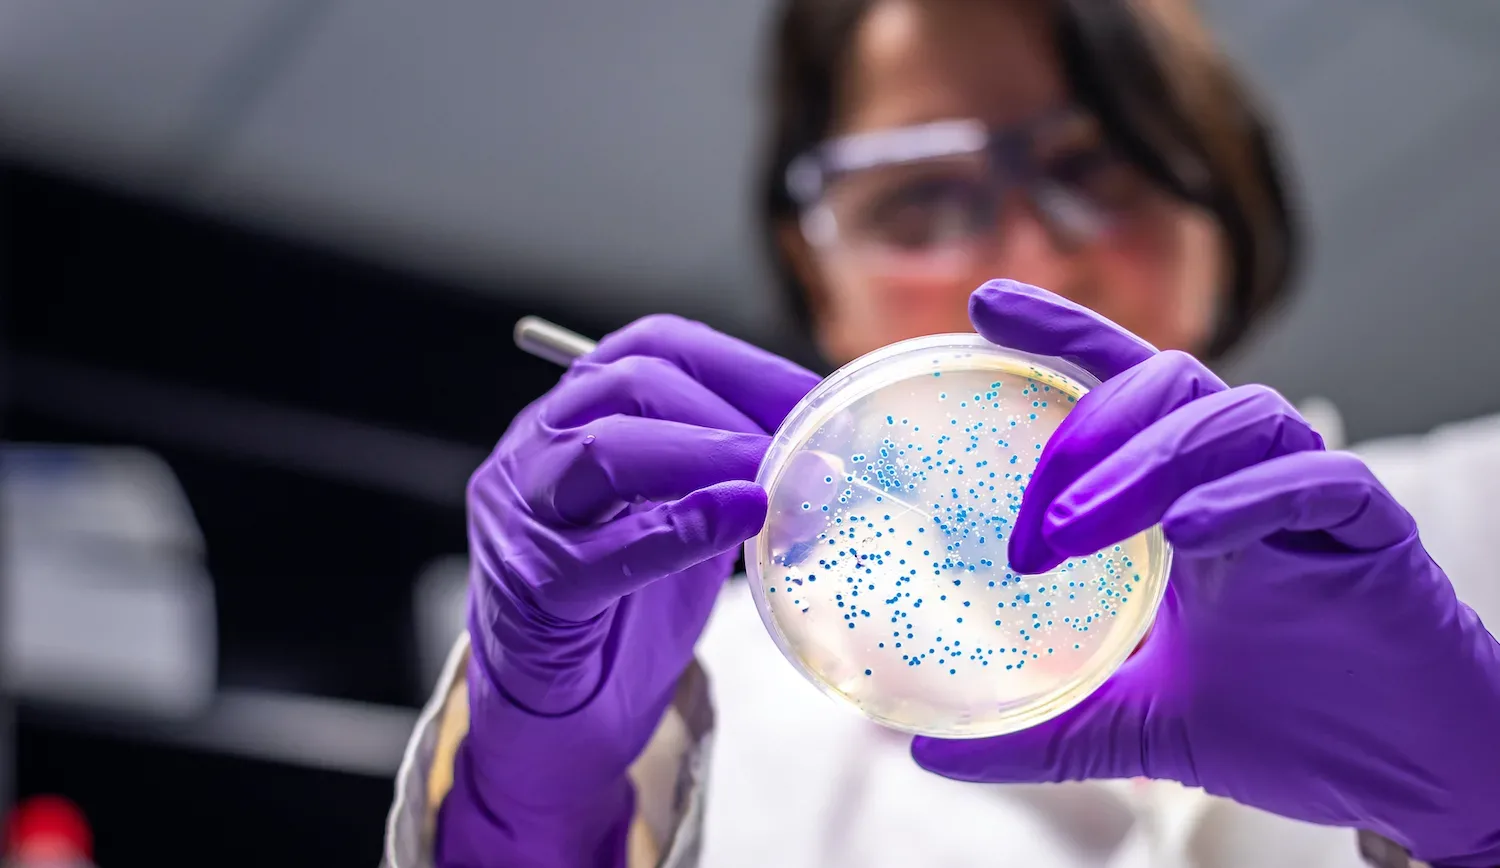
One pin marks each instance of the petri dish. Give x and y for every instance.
(881, 572)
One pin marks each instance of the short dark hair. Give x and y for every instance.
(1168, 100)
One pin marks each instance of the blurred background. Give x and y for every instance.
(260, 261)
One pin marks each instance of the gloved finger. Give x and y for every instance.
(1332, 492)
(593, 471)
(1101, 738)
(762, 385)
(810, 490)
(639, 386)
(1102, 421)
(1198, 443)
(636, 549)
(1034, 320)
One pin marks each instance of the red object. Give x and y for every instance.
(48, 827)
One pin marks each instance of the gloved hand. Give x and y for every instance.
(600, 532)
(1309, 658)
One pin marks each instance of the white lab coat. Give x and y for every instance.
(798, 781)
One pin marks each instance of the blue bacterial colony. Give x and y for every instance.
(889, 582)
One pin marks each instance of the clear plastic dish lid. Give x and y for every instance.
(881, 572)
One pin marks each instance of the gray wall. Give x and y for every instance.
(605, 146)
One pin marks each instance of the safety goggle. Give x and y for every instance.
(936, 188)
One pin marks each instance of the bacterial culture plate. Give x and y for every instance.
(881, 572)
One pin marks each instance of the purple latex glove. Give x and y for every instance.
(600, 532)
(1309, 658)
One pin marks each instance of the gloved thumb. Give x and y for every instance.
(1102, 737)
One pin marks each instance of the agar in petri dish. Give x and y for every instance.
(881, 572)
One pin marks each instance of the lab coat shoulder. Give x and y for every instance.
(1448, 480)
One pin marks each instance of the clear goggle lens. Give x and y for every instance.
(935, 191)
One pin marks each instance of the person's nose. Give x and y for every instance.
(1028, 250)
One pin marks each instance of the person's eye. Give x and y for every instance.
(1099, 175)
(930, 212)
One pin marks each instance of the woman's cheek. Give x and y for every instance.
(1179, 274)
(936, 309)
(1159, 285)
(908, 308)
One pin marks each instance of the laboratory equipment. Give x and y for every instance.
(881, 572)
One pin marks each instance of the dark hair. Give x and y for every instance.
(1167, 98)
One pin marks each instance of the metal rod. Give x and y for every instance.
(551, 342)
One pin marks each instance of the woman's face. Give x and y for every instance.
(1156, 265)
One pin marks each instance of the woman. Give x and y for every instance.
(1311, 662)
